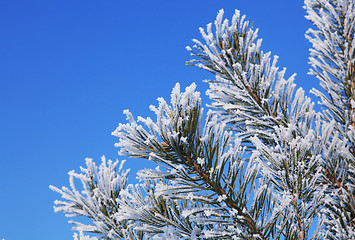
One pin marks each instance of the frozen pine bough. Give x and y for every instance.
(261, 163)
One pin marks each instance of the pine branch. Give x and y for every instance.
(199, 159)
(97, 201)
(333, 59)
(241, 77)
(250, 92)
(299, 163)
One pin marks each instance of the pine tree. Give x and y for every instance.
(260, 164)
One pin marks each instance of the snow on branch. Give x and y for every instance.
(249, 92)
(197, 159)
(261, 165)
(333, 55)
(333, 62)
(96, 199)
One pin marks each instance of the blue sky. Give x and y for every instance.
(69, 68)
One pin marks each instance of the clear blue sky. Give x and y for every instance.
(69, 68)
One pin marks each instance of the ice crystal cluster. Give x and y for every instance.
(261, 163)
